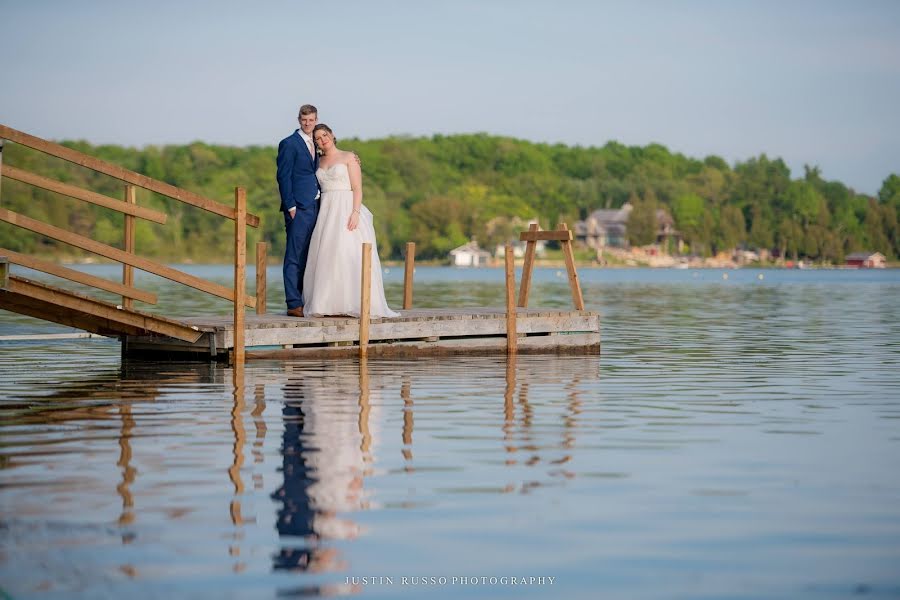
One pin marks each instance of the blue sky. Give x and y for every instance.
(815, 82)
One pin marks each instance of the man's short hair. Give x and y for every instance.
(308, 109)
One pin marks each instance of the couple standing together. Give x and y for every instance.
(326, 225)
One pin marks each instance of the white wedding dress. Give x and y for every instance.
(331, 284)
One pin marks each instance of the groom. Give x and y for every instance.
(297, 162)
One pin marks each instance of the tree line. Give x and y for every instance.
(442, 191)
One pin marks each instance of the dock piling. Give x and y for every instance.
(511, 336)
(365, 299)
(240, 271)
(408, 273)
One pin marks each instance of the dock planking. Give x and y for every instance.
(415, 332)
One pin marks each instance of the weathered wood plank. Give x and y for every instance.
(21, 292)
(393, 330)
(46, 311)
(560, 234)
(569, 344)
(85, 195)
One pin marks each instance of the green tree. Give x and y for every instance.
(732, 228)
(890, 191)
(642, 223)
(761, 228)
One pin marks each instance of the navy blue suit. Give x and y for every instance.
(298, 187)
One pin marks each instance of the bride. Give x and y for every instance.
(331, 283)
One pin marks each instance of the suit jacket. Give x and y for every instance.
(296, 173)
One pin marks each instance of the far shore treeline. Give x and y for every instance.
(442, 191)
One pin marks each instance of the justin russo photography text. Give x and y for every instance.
(436, 581)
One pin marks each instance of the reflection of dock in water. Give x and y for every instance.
(415, 332)
(352, 436)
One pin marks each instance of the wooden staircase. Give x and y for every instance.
(66, 307)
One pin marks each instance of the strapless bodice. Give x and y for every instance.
(334, 178)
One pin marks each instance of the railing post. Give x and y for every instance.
(408, 275)
(365, 299)
(240, 271)
(128, 270)
(261, 278)
(527, 268)
(1, 169)
(511, 335)
(4, 272)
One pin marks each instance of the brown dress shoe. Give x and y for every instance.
(295, 312)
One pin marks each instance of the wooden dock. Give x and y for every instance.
(515, 328)
(415, 332)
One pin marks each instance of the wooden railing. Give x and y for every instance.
(128, 256)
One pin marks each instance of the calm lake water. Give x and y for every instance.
(739, 437)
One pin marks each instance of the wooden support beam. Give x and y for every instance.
(261, 259)
(85, 195)
(128, 245)
(125, 175)
(121, 256)
(81, 307)
(4, 271)
(511, 337)
(577, 299)
(365, 299)
(53, 313)
(408, 274)
(240, 272)
(77, 276)
(527, 268)
(560, 234)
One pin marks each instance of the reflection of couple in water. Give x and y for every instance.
(326, 453)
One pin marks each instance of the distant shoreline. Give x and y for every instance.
(552, 264)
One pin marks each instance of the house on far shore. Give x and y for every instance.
(866, 260)
(609, 228)
(469, 255)
(604, 227)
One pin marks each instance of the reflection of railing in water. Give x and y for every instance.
(234, 471)
(407, 435)
(128, 472)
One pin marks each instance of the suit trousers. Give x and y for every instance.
(299, 231)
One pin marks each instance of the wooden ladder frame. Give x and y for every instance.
(563, 235)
